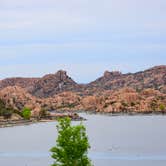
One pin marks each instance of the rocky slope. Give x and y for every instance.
(52, 84)
(114, 92)
(17, 98)
(152, 78)
(26, 83)
(123, 100)
(120, 101)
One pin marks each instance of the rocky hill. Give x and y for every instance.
(114, 92)
(26, 83)
(17, 98)
(152, 78)
(52, 84)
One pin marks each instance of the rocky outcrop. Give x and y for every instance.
(126, 100)
(66, 101)
(121, 101)
(26, 83)
(114, 92)
(52, 84)
(152, 78)
(129, 100)
(17, 98)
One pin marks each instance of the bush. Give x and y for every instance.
(4, 111)
(162, 107)
(8, 113)
(72, 145)
(26, 113)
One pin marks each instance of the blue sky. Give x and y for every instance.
(84, 37)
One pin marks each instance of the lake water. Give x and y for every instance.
(115, 141)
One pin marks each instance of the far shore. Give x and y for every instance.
(73, 115)
(54, 117)
(132, 113)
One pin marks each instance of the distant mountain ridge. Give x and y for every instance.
(52, 84)
(151, 78)
(26, 83)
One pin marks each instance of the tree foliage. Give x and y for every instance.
(26, 113)
(72, 145)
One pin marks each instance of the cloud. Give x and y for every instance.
(82, 33)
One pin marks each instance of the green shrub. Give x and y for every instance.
(162, 107)
(26, 113)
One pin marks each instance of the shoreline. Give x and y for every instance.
(54, 117)
(61, 114)
(133, 113)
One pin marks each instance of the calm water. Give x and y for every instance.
(115, 141)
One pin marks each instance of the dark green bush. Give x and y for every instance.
(4, 111)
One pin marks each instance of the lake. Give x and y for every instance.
(115, 141)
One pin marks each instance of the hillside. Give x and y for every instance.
(53, 84)
(152, 78)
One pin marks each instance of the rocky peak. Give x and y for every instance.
(61, 74)
(52, 84)
(59, 78)
(108, 74)
(151, 78)
(157, 69)
(160, 67)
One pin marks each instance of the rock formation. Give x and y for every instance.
(52, 84)
(114, 92)
(26, 83)
(17, 98)
(152, 78)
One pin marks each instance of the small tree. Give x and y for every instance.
(72, 145)
(26, 113)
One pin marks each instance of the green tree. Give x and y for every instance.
(72, 145)
(26, 113)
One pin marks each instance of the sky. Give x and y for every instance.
(84, 37)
